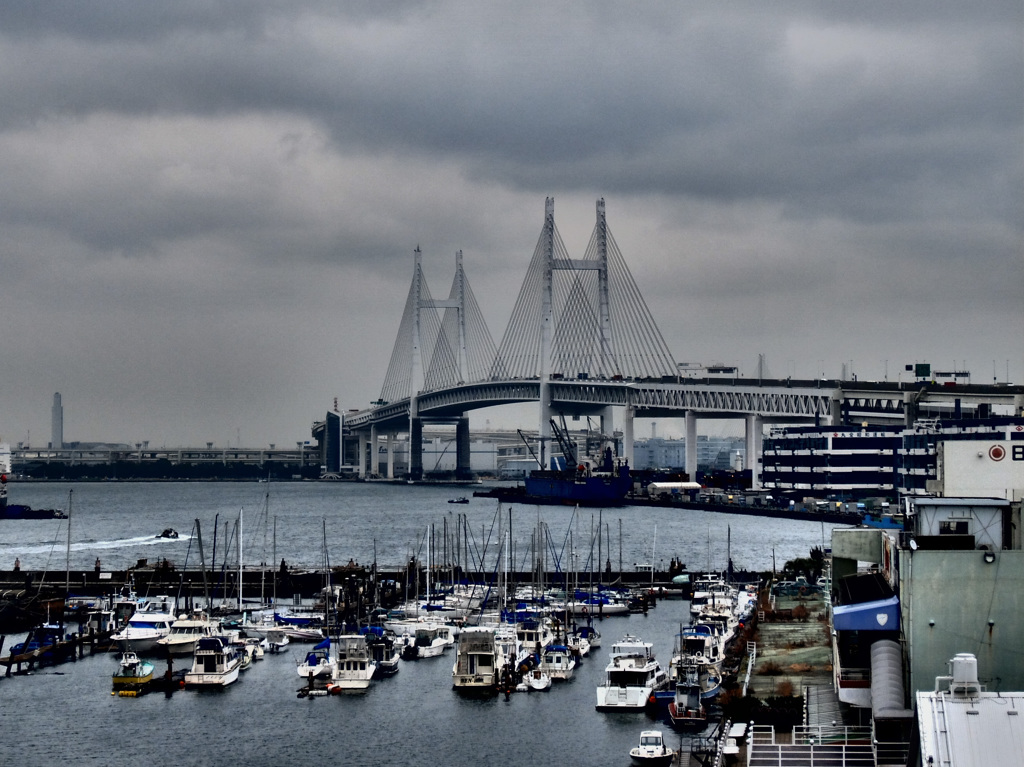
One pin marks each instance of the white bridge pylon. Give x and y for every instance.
(574, 318)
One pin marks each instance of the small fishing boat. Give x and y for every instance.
(652, 750)
(132, 672)
(460, 499)
(216, 663)
(686, 709)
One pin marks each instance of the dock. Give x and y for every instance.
(69, 649)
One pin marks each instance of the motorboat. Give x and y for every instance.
(652, 750)
(384, 651)
(150, 623)
(317, 663)
(537, 681)
(479, 661)
(586, 605)
(632, 676)
(686, 709)
(354, 666)
(558, 662)
(185, 632)
(255, 646)
(132, 672)
(277, 639)
(301, 628)
(429, 641)
(701, 647)
(216, 663)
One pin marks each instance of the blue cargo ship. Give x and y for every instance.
(606, 485)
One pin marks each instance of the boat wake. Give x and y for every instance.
(120, 543)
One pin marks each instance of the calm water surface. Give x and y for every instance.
(68, 713)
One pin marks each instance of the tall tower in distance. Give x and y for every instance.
(57, 423)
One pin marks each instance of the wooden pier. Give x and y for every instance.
(71, 648)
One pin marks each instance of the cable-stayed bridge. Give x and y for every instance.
(582, 341)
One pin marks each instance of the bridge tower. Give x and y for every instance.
(551, 264)
(418, 377)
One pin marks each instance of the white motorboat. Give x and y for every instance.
(557, 662)
(537, 681)
(429, 641)
(701, 647)
(185, 632)
(632, 676)
(150, 623)
(317, 663)
(216, 663)
(479, 661)
(302, 628)
(354, 666)
(652, 750)
(534, 636)
(277, 640)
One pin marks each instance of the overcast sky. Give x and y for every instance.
(208, 210)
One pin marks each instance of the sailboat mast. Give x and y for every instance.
(240, 560)
(67, 556)
(263, 563)
(202, 563)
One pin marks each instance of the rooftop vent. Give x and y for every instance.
(963, 679)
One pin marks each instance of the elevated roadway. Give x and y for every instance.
(761, 401)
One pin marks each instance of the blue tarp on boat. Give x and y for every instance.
(323, 645)
(877, 615)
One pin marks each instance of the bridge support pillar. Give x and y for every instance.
(837, 408)
(690, 436)
(389, 441)
(374, 452)
(909, 408)
(627, 434)
(415, 448)
(463, 466)
(755, 438)
(362, 455)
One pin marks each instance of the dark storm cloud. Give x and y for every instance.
(217, 202)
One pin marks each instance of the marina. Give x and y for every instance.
(725, 666)
(473, 725)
